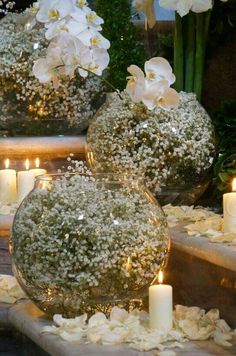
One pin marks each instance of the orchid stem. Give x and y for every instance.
(202, 28)
(190, 52)
(101, 78)
(104, 80)
(179, 53)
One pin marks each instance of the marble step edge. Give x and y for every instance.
(220, 254)
(50, 147)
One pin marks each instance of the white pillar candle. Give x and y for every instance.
(229, 207)
(8, 193)
(161, 306)
(38, 171)
(25, 182)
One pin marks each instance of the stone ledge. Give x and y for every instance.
(220, 254)
(29, 320)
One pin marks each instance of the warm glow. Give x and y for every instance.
(234, 185)
(27, 164)
(37, 162)
(129, 264)
(7, 163)
(160, 277)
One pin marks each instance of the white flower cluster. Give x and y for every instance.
(73, 30)
(84, 243)
(10, 290)
(168, 148)
(190, 323)
(154, 89)
(25, 102)
(181, 6)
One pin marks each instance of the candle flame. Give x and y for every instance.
(129, 264)
(37, 162)
(234, 185)
(27, 164)
(160, 277)
(7, 163)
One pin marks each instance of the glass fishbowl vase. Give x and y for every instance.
(82, 243)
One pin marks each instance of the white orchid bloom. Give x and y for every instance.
(54, 10)
(93, 38)
(136, 83)
(184, 6)
(160, 94)
(158, 68)
(81, 4)
(45, 72)
(147, 7)
(93, 19)
(56, 28)
(100, 60)
(73, 29)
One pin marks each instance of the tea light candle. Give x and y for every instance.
(229, 207)
(38, 171)
(8, 193)
(161, 305)
(25, 182)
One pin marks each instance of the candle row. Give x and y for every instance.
(14, 186)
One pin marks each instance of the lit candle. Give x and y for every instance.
(38, 171)
(25, 182)
(229, 206)
(8, 193)
(161, 305)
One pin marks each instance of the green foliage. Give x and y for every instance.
(225, 167)
(126, 46)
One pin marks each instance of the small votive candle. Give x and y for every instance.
(161, 305)
(25, 182)
(229, 207)
(38, 171)
(8, 192)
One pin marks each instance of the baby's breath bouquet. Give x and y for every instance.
(84, 242)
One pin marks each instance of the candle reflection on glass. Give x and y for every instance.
(8, 193)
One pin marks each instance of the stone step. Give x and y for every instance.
(29, 320)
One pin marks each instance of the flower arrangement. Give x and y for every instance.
(173, 148)
(75, 41)
(191, 32)
(27, 103)
(84, 243)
